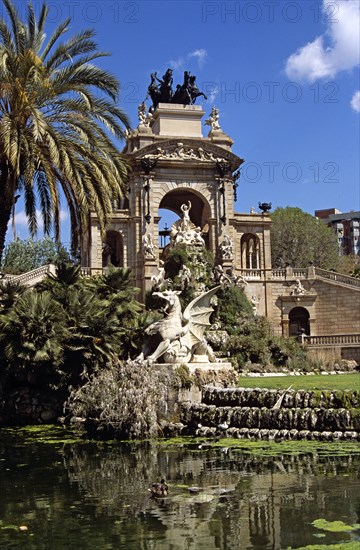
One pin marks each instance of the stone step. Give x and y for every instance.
(221, 419)
(249, 397)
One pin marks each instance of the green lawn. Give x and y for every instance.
(304, 382)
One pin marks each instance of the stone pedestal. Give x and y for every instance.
(171, 119)
(206, 366)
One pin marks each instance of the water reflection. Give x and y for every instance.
(95, 497)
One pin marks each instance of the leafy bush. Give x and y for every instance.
(32, 336)
(21, 256)
(286, 351)
(234, 310)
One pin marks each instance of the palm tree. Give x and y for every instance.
(9, 293)
(32, 333)
(58, 119)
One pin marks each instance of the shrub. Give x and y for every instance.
(32, 335)
(119, 401)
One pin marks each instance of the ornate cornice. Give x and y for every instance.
(186, 150)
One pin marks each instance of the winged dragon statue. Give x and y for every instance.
(179, 337)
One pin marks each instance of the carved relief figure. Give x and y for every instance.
(185, 277)
(213, 120)
(179, 152)
(254, 302)
(144, 117)
(185, 209)
(149, 247)
(226, 248)
(179, 336)
(298, 289)
(184, 231)
(159, 279)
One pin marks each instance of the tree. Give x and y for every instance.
(299, 240)
(58, 119)
(21, 256)
(9, 293)
(32, 333)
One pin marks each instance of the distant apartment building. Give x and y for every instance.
(347, 228)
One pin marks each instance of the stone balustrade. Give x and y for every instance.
(341, 340)
(299, 273)
(337, 277)
(33, 277)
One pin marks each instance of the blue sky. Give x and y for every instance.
(284, 75)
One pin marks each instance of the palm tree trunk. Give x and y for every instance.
(5, 215)
(7, 200)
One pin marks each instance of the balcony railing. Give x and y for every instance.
(341, 340)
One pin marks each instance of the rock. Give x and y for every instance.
(47, 415)
(194, 489)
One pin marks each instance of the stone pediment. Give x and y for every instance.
(303, 299)
(188, 150)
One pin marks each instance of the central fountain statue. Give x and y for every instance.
(184, 231)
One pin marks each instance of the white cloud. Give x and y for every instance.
(316, 60)
(179, 64)
(212, 95)
(355, 101)
(64, 215)
(21, 219)
(200, 55)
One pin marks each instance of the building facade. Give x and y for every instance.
(346, 226)
(175, 167)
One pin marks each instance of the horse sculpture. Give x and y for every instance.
(166, 92)
(160, 90)
(182, 94)
(153, 90)
(194, 90)
(180, 336)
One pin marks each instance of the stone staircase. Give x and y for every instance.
(31, 278)
(272, 415)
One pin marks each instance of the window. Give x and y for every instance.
(250, 251)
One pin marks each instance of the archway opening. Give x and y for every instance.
(299, 321)
(170, 212)
(250, 251)
(113, 251)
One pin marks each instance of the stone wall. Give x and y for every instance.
(273, 415)
(337, 309)
(333, 308)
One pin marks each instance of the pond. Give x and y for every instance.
(58, 494)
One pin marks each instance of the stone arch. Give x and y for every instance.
(113, 249)
(299, 321)
(250, 251)
(200, 208)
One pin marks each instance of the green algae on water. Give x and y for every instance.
(265, 448)
(44, 433)
(333, 526)
(352, 545)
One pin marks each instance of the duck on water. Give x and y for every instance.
(159, 489)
